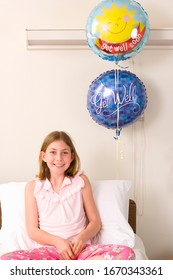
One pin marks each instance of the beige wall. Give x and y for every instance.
(41, 91)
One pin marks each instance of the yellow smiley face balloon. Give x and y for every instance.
(117, 29)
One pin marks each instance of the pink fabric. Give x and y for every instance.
(108, 252)
(62, 213)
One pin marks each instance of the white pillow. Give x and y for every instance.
(112, 200)
(14, 235)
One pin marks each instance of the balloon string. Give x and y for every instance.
(118, 103)
(117, 96)
(120, 66)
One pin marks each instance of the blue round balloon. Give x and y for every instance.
(116, 99)
(117, 29)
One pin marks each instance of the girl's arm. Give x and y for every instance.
(63, 246)
(94, 222)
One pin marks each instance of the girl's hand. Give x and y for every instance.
(78, 245)
(65, 250)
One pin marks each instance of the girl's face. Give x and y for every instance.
(58, 157)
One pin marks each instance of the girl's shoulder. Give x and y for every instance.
(30, 186)
(33, 184)
(79, 175)
(81, 178)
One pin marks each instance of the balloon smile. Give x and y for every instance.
(112, 32)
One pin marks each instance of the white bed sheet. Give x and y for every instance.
(138, 248)
(2, 246)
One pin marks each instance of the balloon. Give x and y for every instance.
(117, 29)
(116, 99)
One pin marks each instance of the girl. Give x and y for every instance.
(61, 214)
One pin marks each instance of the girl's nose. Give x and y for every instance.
(58, 156)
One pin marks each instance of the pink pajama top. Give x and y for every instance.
(62, 213)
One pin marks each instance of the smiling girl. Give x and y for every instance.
(61, 215)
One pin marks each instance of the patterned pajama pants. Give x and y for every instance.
(107, 252)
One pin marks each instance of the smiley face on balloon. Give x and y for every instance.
(116, 30)
(116, 24)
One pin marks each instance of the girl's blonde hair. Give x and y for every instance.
(50, 138)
